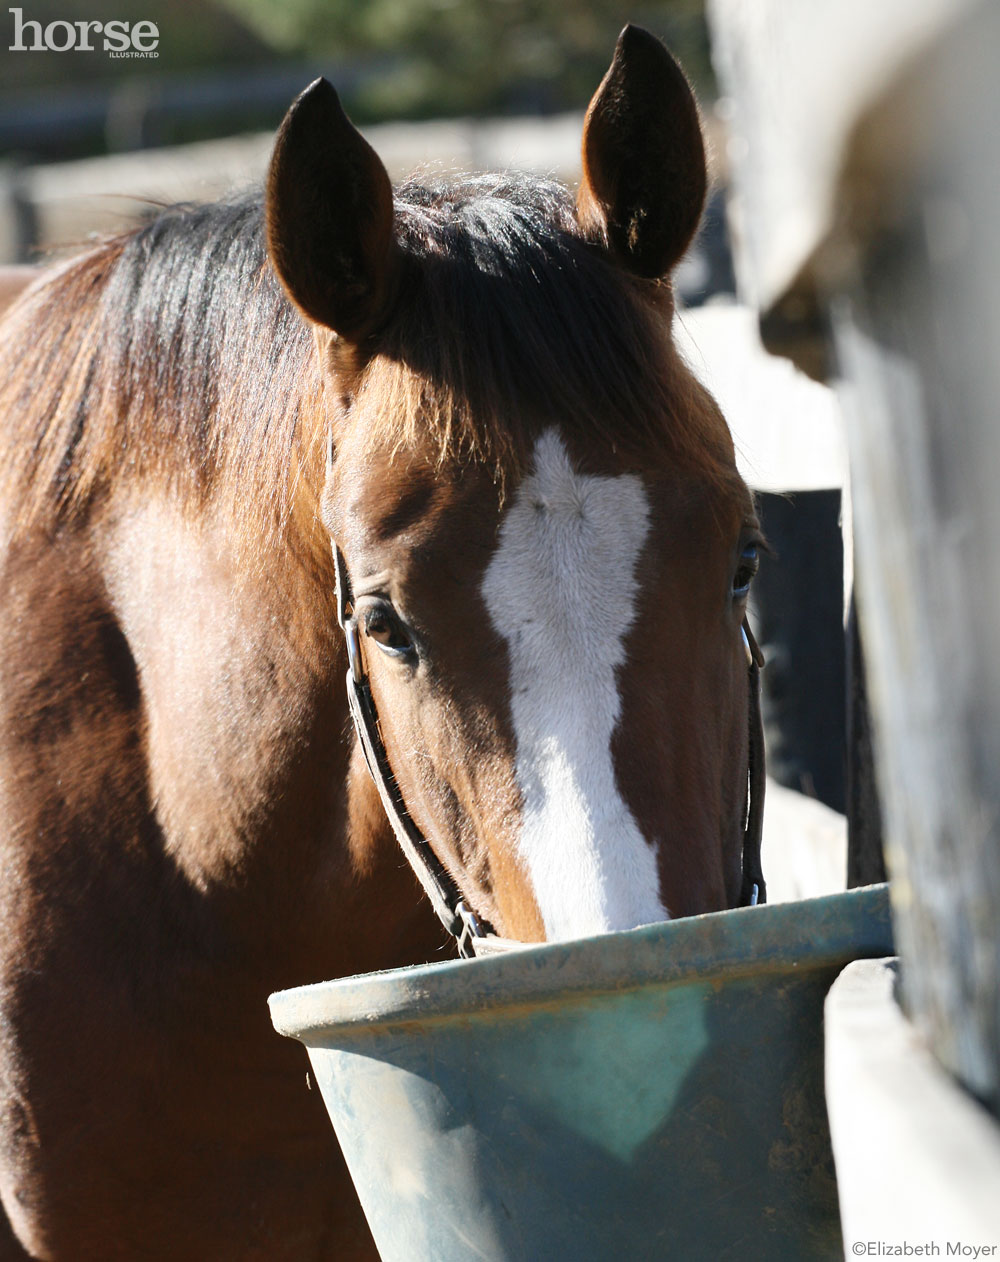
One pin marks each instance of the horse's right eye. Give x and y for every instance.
(382, 625)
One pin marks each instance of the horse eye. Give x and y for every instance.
(745, 571)
(384, 627)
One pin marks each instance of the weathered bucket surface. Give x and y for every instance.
(652, 1094)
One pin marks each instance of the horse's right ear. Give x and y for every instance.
(329, 216)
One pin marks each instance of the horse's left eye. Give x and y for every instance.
(384, 627)
(745, 571)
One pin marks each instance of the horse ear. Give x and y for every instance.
(329, 215)
(644, 178)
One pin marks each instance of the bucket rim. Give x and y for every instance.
(794, 937)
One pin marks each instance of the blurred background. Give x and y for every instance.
(225, 66)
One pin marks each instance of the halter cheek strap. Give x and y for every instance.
(473, 935)
(754, 888)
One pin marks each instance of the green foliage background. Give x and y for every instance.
(474, 56)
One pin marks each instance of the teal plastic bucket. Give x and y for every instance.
(652, 1094)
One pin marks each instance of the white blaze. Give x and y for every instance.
(561, 590)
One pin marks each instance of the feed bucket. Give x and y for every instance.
(650, 1094)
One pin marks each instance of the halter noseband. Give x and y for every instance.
(473, 935)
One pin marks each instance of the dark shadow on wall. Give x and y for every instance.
(799, 617)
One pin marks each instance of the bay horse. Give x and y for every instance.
(468, 389)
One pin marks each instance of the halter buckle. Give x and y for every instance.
(353, 649)
(467, 923)
(746, 645)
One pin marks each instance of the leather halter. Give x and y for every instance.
(754, 888)
(474, 935)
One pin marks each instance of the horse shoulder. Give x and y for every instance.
(123, 969)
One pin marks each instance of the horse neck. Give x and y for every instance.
(219, 579)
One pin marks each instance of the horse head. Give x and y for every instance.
(545, 543)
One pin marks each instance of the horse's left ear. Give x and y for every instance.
(329, 216)
(644, 178)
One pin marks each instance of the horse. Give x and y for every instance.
(463, 399)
